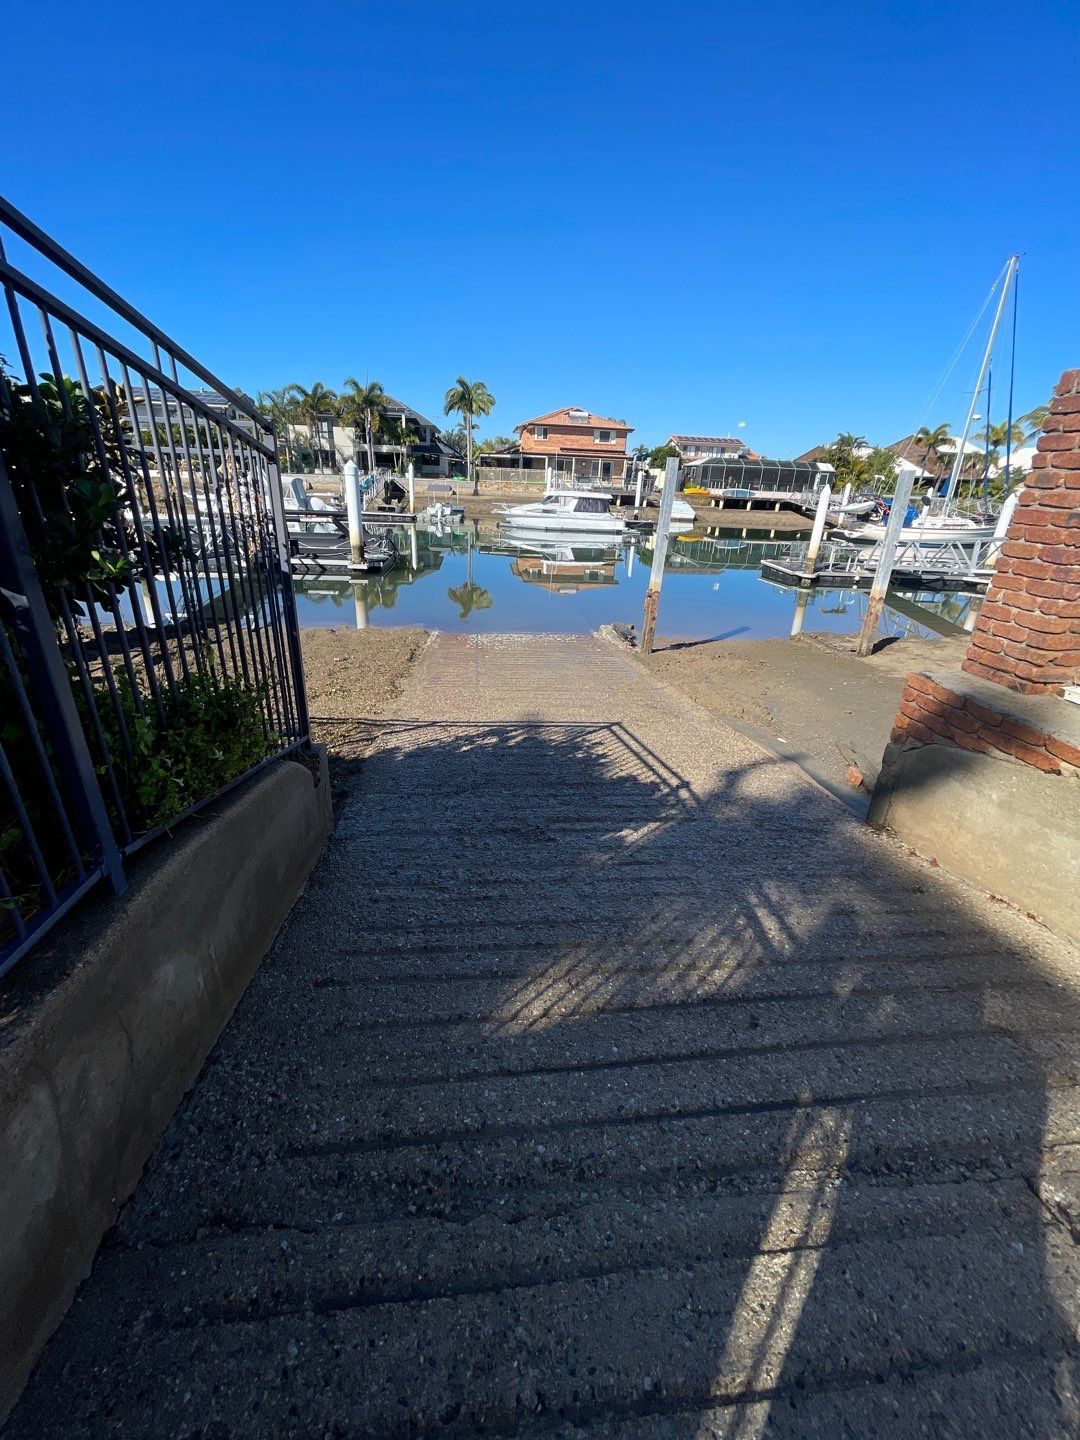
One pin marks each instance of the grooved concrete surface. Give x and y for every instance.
(608, 1079)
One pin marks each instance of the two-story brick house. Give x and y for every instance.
(577, 443)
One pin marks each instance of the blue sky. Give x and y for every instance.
(683, 214)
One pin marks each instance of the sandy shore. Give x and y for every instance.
(811, 699)
(352, 675)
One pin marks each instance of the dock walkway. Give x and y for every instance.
(608, 1079)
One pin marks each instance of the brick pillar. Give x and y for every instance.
(1027, 636)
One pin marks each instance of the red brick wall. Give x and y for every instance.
(931, 714)
(1027, 636)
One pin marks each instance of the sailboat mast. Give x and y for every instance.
(961, 449)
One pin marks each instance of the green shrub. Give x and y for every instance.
(212, 732)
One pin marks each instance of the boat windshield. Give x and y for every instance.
(592, 504)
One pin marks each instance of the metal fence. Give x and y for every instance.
(149, 647)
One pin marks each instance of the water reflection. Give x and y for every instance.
(473, 576)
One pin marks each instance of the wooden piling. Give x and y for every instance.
(656, 575)
(883, 573)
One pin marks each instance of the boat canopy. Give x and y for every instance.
(577, 503)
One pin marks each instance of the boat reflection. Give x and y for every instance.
(564, 564)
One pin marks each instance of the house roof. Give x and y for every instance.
(392, 405)
(729, 441)
(912, 450)
(580, 417)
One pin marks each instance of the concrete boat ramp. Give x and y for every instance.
(609, 1079)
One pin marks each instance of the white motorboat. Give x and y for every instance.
(586, 511)
(440, 515)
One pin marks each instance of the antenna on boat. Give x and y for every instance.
(961, 449)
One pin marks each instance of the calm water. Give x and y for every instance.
(474, 578)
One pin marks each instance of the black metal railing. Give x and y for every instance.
(149, 647)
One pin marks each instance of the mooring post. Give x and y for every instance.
(882, 575)
(354, 506)
(359, 590)
(656, 575)
(820, 516)
(410, 475)
(801, 602)
(639, 482)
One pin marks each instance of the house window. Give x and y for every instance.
(604, 437)
(540, 431)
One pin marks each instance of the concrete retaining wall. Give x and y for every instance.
(103, 1030)
(1008, 828)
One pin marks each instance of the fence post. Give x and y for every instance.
(288, 595)
(656, 575)
(883, 573)
(36, 634)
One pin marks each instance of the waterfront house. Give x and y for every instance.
(928, 469)
(710, 447)
(933, 470)
(574, 443)
(403, 434)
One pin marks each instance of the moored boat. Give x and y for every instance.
(585, 511)
(926, 529)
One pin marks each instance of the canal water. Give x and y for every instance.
(476, 578)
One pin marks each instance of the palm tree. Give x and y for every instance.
(469, 596)
(279, 405)
(933, 442)
(1034, 422)
(363, 405)
(847, 444)
(998, 438)
(469, 399)
(313, 407)
(399, 434)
